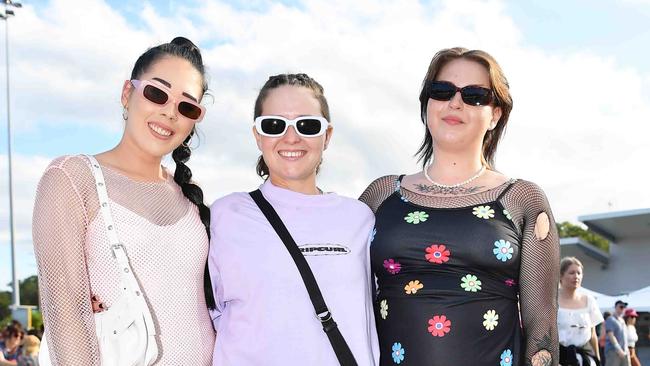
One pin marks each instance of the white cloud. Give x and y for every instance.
(578, 127)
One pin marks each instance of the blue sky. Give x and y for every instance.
(578, 71)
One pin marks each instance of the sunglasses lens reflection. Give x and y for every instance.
(273, 126)
(471, 95)
(309, 127)
(442, 91)
(155, 95)
(476, 96)
(189, 110)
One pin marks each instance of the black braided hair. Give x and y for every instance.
(185, 49)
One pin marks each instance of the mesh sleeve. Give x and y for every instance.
(378, 191)
(539, 274)
(59, 229)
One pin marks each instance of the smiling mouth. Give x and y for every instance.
(291, 154)
(159, 130)
(453, 121)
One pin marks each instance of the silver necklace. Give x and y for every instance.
(426, 175)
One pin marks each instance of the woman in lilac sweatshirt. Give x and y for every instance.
(264, 315)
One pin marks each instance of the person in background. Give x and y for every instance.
(616, 351)
(601, 336)
(578, 315)
(12, 335)
(630, 317)
(31, 347)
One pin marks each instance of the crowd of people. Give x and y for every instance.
(19, 347)
(578, 320)
(457, 264)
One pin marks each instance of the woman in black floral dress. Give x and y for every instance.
(466, 259)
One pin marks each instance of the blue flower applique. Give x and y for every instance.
(503, 250)
(506, 358)
(398, 353)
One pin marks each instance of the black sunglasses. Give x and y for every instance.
(471, 94)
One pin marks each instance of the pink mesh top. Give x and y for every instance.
(167, 246)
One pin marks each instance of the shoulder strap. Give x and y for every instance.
(398, 182)
(119, 252)
(505, 190)
(343, 353)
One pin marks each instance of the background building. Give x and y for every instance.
(626, 267)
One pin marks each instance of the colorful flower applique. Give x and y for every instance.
(398, 353)
(507, 215)
(471, 283)
(416, 217)
(383, 309)
(439, 325)
(491, 319)
(437, 254)
(413, 287)
(391, 266)
(506, 358)
(510, 282)
(483, 212)
(503, 250)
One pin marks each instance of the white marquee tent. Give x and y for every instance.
(639, 299)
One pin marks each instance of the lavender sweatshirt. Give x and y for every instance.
(264, 315)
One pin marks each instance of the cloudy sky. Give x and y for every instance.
(578, 72)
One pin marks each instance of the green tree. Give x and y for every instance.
(569, 230)
(37, 319)
(5, 301)
(29, 291)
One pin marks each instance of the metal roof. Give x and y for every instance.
(576, 246)
(618, 225)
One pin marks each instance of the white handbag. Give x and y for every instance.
(125, 331)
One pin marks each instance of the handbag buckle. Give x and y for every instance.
(324, 316)
(117, 246)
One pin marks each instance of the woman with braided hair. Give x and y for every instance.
(160, 220)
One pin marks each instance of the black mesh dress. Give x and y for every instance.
(453, 272)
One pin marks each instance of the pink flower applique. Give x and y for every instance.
(391, 266)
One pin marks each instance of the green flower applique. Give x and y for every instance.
(416, 217)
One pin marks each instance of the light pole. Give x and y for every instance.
(14, 278)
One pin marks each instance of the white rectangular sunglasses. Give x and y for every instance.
(305, 126)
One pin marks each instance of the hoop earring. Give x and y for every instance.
(125, 113)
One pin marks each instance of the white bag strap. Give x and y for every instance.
(119, 252)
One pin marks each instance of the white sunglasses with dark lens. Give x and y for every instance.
(305, 126)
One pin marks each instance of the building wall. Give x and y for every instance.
(628, 268)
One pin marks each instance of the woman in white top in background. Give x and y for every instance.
(632, 337)
(577, 318)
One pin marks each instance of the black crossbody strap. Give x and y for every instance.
(343, 353)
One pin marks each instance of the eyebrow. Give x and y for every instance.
(167, 84)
